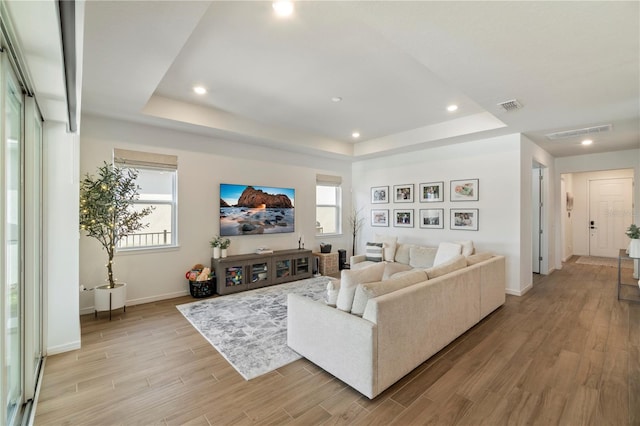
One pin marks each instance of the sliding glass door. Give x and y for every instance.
(33, 244)
(13, 226)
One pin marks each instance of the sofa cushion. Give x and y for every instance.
(446, 251)
(373, 252)
(467, 247)
(402, 253)
(478, 257)
(349, 280)
(367, 291)
(422, 257)
(453, 264)
(393, 268)
(389, 244)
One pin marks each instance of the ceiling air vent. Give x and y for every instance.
(511, 105)
(579, 132)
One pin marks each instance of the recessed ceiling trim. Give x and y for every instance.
(579, 132)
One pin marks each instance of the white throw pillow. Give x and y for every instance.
(350, 279)
(402, 253)
(446, 251)
(331, 297)
(467, 247)
(373, 252)
(389, 244)
(422, 257)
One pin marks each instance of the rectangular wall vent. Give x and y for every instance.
(511, 105)
(579, 132)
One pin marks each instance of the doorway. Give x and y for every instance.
(610, 213)
(536, 228)
(539, 220)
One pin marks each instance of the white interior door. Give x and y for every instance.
(610, 213)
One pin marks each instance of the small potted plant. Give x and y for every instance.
(224, 245)
(215, 244)
(633, 232)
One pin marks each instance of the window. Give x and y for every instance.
(157, 178)
(328, 205)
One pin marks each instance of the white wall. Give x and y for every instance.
(532, 154)
(495, 162)
(566, 187)
(62, 324)
(203, 163)
(617, 160)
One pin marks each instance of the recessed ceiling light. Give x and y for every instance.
(283, 8)
(355, 135)
(199, 90)
(586, 142)
(452, 108)
(336, 99)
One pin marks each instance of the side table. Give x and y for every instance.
(622, 255)
(328, 264)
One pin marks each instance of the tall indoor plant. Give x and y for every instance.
(105, 209)
(355, 224)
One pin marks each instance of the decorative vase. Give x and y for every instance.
(107, 298)
(223, 252)
(216, 252)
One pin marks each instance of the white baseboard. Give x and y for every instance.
(72, 346)
(140, 301)
(519, 292)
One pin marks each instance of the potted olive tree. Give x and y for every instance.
(106, 214)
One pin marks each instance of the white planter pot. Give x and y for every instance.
(216, 252)
(108, 299)
(223, 252)
(634, 248)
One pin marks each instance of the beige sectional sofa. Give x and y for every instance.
(397, 330)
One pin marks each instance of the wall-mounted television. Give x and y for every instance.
(252, 210)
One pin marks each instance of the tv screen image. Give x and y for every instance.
(251, 210)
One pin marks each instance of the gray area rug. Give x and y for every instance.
(249, 329)
(604, 261)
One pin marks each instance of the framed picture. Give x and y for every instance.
(403, 218)
(432, 192)
(379, 217)
(464, 219)
(464, 190)
(379, 194)
(403, 193)
(432, 218)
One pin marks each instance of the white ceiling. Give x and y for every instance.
(396, 65)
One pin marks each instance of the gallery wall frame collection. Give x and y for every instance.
(460, 190)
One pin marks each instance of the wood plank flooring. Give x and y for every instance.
(568, 353)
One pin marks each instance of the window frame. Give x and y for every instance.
(337, 206)
(173, 203)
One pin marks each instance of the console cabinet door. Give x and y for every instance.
(282, 269)
(302, 266)
(258, 273)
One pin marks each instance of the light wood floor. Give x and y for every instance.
(568, 353)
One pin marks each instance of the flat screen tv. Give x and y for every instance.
(252, 210)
